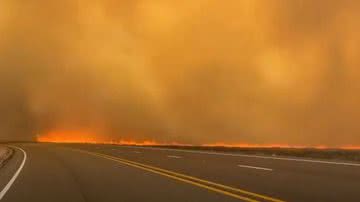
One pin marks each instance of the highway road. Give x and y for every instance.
(101, 173)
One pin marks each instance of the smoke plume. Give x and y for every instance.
(192, 72)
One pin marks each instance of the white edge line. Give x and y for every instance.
(252, 156)
(12, 180)
(257, 168)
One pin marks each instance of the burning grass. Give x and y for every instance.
(348, 153)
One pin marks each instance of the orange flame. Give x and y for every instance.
(284, 146)
(92, 138)
(69, 137)
(244, 145)
(88, 137)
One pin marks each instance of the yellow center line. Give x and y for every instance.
(188, 179)
(179, 179)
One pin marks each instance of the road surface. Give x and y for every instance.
(101, 173)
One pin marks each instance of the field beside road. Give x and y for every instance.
(5, 154)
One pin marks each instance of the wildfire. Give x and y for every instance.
(92, 138)
(284, 146)
(70, 137)
(244, 145)
(350, 147)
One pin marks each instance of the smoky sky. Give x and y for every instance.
(194, 72)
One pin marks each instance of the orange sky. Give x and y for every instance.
(202, 72)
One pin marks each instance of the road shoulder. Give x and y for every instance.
(5, 154)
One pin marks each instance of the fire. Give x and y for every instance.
(93, 138)
(70, 137)
(245, 145)
(350, 147)
(283, 146)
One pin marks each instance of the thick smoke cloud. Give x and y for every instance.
(206, 71)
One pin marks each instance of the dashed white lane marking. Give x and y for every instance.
(12, 180)
(137, 152)
(257, 168)
(175, 157)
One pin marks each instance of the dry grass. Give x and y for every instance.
(5, 154)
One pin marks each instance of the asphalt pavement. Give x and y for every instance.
(101, 173)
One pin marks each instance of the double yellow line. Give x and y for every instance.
(212, 186)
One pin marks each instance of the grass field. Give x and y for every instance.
(5, 154)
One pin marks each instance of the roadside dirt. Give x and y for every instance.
(5, 155)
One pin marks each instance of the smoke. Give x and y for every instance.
(258, 72)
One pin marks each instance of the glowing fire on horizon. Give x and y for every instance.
(86, 137)
(92, 138)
